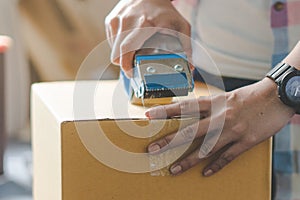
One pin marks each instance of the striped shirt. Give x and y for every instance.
(284, 18)
(285, 23)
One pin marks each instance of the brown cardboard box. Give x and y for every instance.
(65, 164)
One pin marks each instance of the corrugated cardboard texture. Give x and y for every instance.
(83, 177)
(65, 170)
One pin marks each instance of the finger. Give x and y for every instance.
(185, 164)
(224, 159)
(132, 43)
(209, 147)
(213, 142)
(113, 18)
(184, 36)
(126, 23)
(115, 51)
(183, 136)
(187, 107)
(111, 27)
(182, 32)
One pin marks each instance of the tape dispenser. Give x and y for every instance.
(161, 73)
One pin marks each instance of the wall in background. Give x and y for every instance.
(17, 72)
(30, 41)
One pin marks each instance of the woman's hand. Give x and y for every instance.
(124, 23)
(241, 119)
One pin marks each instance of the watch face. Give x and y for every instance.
(292, 89)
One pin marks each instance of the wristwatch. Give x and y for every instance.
(287, 79)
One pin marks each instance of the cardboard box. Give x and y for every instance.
(71, 123)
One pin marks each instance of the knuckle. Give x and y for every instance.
(205, 99)
(189, 106)
(185, 164)
(230, 115)
(107, 20)
(158, 112)
(250, 140)
(111, 21)
(123, 22)
(165, 141)
(216, 167)
(124, 47)
(205, 149)
(183, 105)
(143, 20)
(189, 163)
(224, 160)
(205, 102)
(239, 128)
(130, 21)
(231, 96)
(188, 133)
(126, 20)
(186, 25)
(176, 25)
(115, 59)
(179, 24)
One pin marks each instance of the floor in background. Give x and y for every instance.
(16, 183)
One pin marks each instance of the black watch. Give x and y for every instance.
(287, 79)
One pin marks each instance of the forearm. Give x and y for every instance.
(293, 58)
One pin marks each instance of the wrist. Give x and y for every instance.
(287, 79)
(268, 90)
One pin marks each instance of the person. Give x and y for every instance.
(246, 39)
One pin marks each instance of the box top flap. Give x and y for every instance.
(87, 100)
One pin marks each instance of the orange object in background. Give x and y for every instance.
(4, 43)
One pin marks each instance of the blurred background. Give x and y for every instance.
(50, 39)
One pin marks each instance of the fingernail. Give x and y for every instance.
(153, 148)
(147, 114)
(208, 172)
(151, 113)
(156, 112)
(175, 170)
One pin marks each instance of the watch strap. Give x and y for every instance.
(277, 73)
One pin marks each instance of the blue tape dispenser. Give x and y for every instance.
(161, 75)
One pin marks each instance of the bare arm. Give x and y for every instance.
(250, 114)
